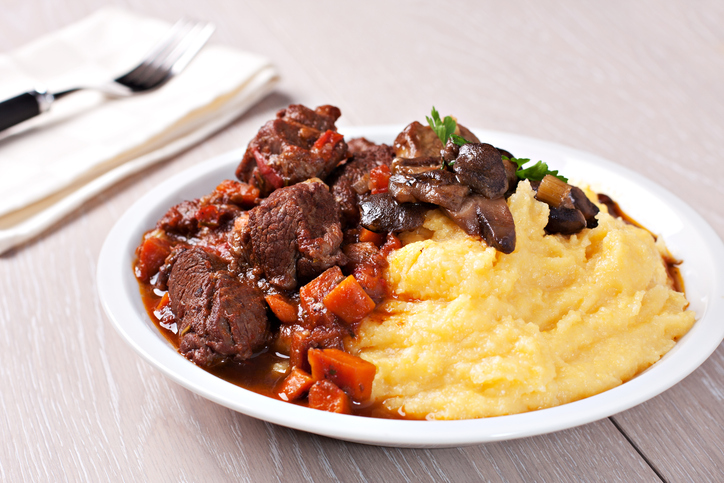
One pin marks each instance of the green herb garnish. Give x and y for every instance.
(442, 127)
(535, 172)
(459, 140)
(445, 129)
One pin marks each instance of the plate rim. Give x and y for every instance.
(402, 433)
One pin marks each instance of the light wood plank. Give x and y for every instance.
(681, 431)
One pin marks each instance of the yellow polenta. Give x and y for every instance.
(470, 332)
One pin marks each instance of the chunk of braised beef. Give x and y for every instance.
(322, 118)
(359, 145)
(382, 213)
(490, 219)
(180, 219)
(480, 166)
(218, 316)
(439, 187)
(298, 145)
(294, 234)
(350, 180)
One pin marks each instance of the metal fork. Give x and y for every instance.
(166, 59)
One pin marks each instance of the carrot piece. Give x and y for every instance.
(151, 255)
(366, 235)
(352, 374)
(285, 310)
(326, 396)
(295, 385)
(299, 346)
(312, 294)
(349, 301)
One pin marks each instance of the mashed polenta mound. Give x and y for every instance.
(470, 332)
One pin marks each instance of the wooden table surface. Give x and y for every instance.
(640, 83)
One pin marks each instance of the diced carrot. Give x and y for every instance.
(391, 244)
(298, 348)
(311, 295)
(285, 309)
(352, 374)
(326, 396)
(295, 385)
(366, 235)
(151, 255)
(349, 301)
(379, 179)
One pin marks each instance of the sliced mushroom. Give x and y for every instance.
(450, 152)
(382, 213)
(563, 200)
(586, 206)
(510, 174)
(565, 221)
(415, 165)
(438, 187)
(488, 218)
(480, 166)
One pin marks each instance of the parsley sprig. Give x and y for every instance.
(535, 172)
(445, 129)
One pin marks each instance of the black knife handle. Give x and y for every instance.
(23, 107)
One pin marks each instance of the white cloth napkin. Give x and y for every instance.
(50, 165)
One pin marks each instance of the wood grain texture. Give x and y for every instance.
(638, 83)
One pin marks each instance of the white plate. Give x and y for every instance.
(685, 232)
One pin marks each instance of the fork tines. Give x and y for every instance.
(169, 56)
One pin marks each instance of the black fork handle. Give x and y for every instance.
(23, 107)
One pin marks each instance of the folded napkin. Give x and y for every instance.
(50, 165)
